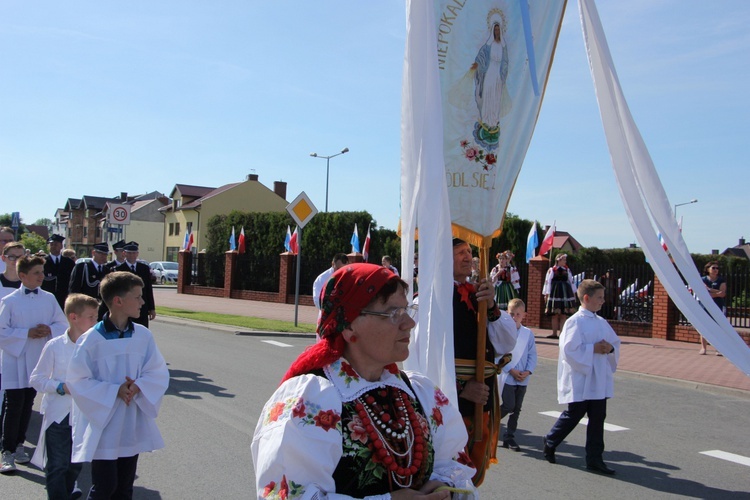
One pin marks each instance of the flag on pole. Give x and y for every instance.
(355, 240)
(531, 243)
(465, 115)
(188, 243)
(366, 247)
(241, 245)
(287, 238)
(293, 243)
(232, 245)
(549, 238)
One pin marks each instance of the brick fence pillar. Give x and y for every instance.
(664, 315)
(534, 300)
(286, 276)
(184, 267)
(230, 263)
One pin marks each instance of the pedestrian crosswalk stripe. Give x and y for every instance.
(277, 344)
(730, 457)
(585, 421)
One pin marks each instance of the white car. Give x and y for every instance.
(164, 272)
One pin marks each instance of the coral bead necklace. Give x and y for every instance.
(396, 435)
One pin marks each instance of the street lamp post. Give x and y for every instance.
(328, 163)
(694, 200)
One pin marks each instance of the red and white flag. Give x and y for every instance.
(241, 246)
(549, 238)
(293, 244)
(366, 246)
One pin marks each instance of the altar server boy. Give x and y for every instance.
(29, 317)
(117, 378)
(53, 450)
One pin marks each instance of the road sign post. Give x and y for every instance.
(302, 211)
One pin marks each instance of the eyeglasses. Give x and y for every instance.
(395, 315)
(13, 257)
(713, 267)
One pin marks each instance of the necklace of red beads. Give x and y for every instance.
(396, 434)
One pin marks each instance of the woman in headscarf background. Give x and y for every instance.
(346, 420)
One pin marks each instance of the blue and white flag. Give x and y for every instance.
(287, 239)
(531, 243)
(355, 240)
(232, 244)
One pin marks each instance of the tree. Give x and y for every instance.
(43, 222)
(33, 242)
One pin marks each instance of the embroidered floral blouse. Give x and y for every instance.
(310, 443)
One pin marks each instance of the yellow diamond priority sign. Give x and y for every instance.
(302, 209)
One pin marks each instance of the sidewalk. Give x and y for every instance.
(672, 361)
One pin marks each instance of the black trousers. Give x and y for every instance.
(17, 405)
(113, 479)
(596, 410)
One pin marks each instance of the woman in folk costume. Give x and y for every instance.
(559, 293)
(345, 421)
(506, 280)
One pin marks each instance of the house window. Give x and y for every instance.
(171, 228)
(98, 232)
(189, 227)
(177, 228)
(172, 253)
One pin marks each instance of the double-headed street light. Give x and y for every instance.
(328, 162)
(694, 200)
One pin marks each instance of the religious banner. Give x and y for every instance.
(494, 57)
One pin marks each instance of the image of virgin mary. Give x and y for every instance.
(490, 92)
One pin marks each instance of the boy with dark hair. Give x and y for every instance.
(54, 448)
(7, 235)
(9, 278)
(117, 378)
(589, 351)
(29, 317)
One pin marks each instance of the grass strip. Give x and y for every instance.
(241, 322)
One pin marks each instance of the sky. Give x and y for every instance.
(98, 98)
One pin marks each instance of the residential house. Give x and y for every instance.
(564, 241)
(742, 250)
(193, 206)
(146, 224)
(83, 228)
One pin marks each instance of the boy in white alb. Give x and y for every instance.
(117, 378)
(515, 375)
(589, 351)
(29, 317)
(54, 448)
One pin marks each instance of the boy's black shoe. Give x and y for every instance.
(549, 452)
(511, 443)
(601, 467)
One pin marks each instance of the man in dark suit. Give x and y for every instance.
(118, 248)
(57, 270)
(87, 275)
(148, 309)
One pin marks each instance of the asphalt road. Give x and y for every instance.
(219, 382)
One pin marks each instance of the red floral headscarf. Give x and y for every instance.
(347, 292)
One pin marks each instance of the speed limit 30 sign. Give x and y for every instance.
(119, 214)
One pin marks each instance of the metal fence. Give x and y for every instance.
(737, 301)
(261, 275)
(628, 291)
